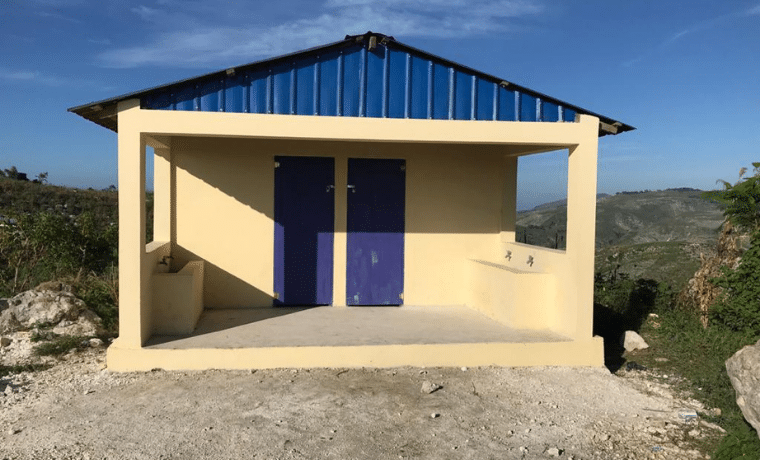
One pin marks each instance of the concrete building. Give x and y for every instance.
(348, 205)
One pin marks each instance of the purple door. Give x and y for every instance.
(304, 215)
(375, 240)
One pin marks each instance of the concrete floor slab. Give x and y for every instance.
(347, 326)
(265, 338)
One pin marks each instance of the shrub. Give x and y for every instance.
(741, 201)
(738, 306)
(59, 345)
(18, 368)
(47, 246)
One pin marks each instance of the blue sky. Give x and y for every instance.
(685, 73)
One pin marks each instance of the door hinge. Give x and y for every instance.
(401, 296)
(276, 164)
(277, 296)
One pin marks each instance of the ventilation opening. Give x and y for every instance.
(542, 199)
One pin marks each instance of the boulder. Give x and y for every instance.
(632, 341)
(744, 371)
(57, 308)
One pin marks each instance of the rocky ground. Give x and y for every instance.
(77, 409)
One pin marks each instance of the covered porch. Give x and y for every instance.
(477, 297)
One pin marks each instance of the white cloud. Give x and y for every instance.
(47, 14)
(57, 3)
(99, 41)
(35, 77)
(30, 76)
(201, 45)
(723, 20)
(147, 13)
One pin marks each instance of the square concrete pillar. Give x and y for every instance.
(581, 222)
(133, 285)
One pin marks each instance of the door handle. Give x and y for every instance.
(352, 188)
(329, 187)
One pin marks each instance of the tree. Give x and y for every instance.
(740, 202)
(11, 173)
(42, 177)
(738, 305)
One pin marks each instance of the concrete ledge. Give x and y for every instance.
(576, 353)
(178, 299)
(518, 298)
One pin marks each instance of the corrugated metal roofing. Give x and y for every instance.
(370, 75)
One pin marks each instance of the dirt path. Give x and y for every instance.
(77, 409)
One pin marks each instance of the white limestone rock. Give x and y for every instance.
(429, 387)
(61, 309)
(744, 371)
(632, 341)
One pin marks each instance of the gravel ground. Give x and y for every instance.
(77, 409)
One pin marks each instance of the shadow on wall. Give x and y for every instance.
(450, 189)
(229, 166)
(219, 286)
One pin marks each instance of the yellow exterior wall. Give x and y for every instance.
(224, 216)
(225, 211)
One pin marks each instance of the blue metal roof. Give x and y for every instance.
(370, 75)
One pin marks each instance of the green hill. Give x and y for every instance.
(628, 218)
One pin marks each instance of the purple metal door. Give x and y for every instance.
(304, 215)
(375, 240)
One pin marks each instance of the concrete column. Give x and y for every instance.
(581, 223)
(509, 200)
(163, 195)
(340, 234)
(133, 292)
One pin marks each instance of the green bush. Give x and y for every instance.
(18, 368)
(741, 442)
(632, 299)
(738, 307)
(48, 246)
(698, 355)
(60, 345)
(100, 294)
(741, 201)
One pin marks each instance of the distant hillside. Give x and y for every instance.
(18, 197)
(629, 218)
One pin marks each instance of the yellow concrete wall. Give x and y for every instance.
(178, 300)
(518, 298)
(225, 205)
(527, 286)
(224, 216)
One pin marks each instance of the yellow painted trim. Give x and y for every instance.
(577, 353)
(548, 135)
